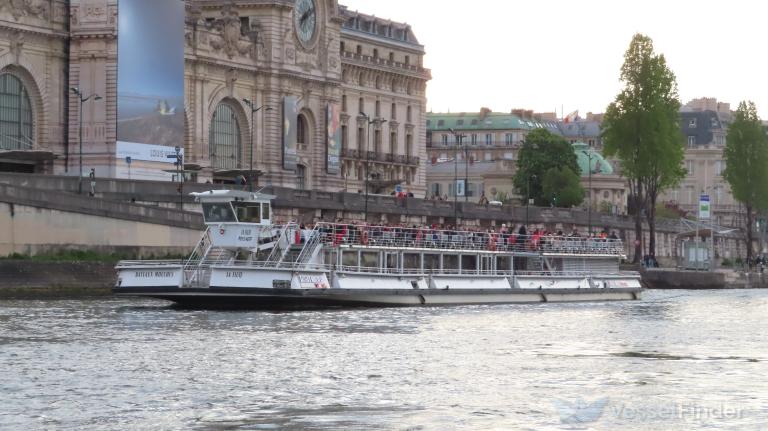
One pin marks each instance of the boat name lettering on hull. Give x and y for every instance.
(154, 274)
(311, 279)
(234, 274)
(246, 235)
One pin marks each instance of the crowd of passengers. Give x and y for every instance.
(447, 236)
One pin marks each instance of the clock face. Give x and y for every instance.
(305, 19)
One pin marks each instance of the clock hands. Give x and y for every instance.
(306, 15)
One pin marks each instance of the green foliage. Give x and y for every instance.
(70, 256)
(84, 256)
(669, 210)
(605, 207)
(726, 263)
(562, 187)
(641, 128)
(501, 197)
(746, 157)
(541, 151)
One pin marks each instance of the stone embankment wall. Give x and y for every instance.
(34, 221)
(658, 278)
(158, 203)
(27, 278)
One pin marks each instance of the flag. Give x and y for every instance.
(573, 116)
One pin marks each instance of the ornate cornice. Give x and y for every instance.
(22, 28)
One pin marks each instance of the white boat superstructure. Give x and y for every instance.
(244, 260)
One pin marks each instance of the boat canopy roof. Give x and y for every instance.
(232, 195)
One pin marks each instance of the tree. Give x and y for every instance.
(641, 129)
(746, 164)
(562, 187)
(541, 151)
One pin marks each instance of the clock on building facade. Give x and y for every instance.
(305, 20)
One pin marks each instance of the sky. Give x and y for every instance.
(566, 55)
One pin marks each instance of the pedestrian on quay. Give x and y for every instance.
(92, 176)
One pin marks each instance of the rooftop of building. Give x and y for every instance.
(484, 120)
(587, 158)
(378, 27)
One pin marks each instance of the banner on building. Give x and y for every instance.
(150, 81)
(333, 146)
(704, 207)
(290, 118)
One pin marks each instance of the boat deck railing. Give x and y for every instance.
(247, 264)
(425, 237)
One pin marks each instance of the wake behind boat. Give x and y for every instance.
(243, 260)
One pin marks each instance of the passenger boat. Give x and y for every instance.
(244, 260)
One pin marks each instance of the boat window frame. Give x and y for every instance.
(437, 261)
(355, 253)
(411, 256)
(207, 207)
(507, 268)
(463, 270)
(444, 261)
(376, 259)
(247, 205)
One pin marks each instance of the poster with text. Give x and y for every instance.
(150, 78)
(333, 148)
(290, 117)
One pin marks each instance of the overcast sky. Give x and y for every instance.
(507, 54)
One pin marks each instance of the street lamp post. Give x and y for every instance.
(459, 138)
(254, 110)
(82, 100)
(589, 204)
(370, 121)
(528, 199)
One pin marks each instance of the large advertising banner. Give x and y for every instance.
(150, 85)
(290, 117)
(333, 148)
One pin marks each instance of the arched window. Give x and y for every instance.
(15, 114)
(224, 139)
(301, 173)
(301, 130)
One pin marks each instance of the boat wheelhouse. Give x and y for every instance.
(242, 259)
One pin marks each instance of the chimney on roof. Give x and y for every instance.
(525, 114)
(484, 113)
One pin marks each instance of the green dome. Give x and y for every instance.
(599, 165)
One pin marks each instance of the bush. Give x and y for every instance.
(726, 262)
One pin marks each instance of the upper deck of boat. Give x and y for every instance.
(429, 238)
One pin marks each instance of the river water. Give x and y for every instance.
(675, 360)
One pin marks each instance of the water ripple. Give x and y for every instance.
(677, 360)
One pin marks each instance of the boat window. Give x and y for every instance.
(369, 259)
(450, 262)
(265, 211)
(349, 258)
(469, 262)
(503, 263)
(432, 262)
(411, 261)
(248, 212)
(391, 260)
(218, 213)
